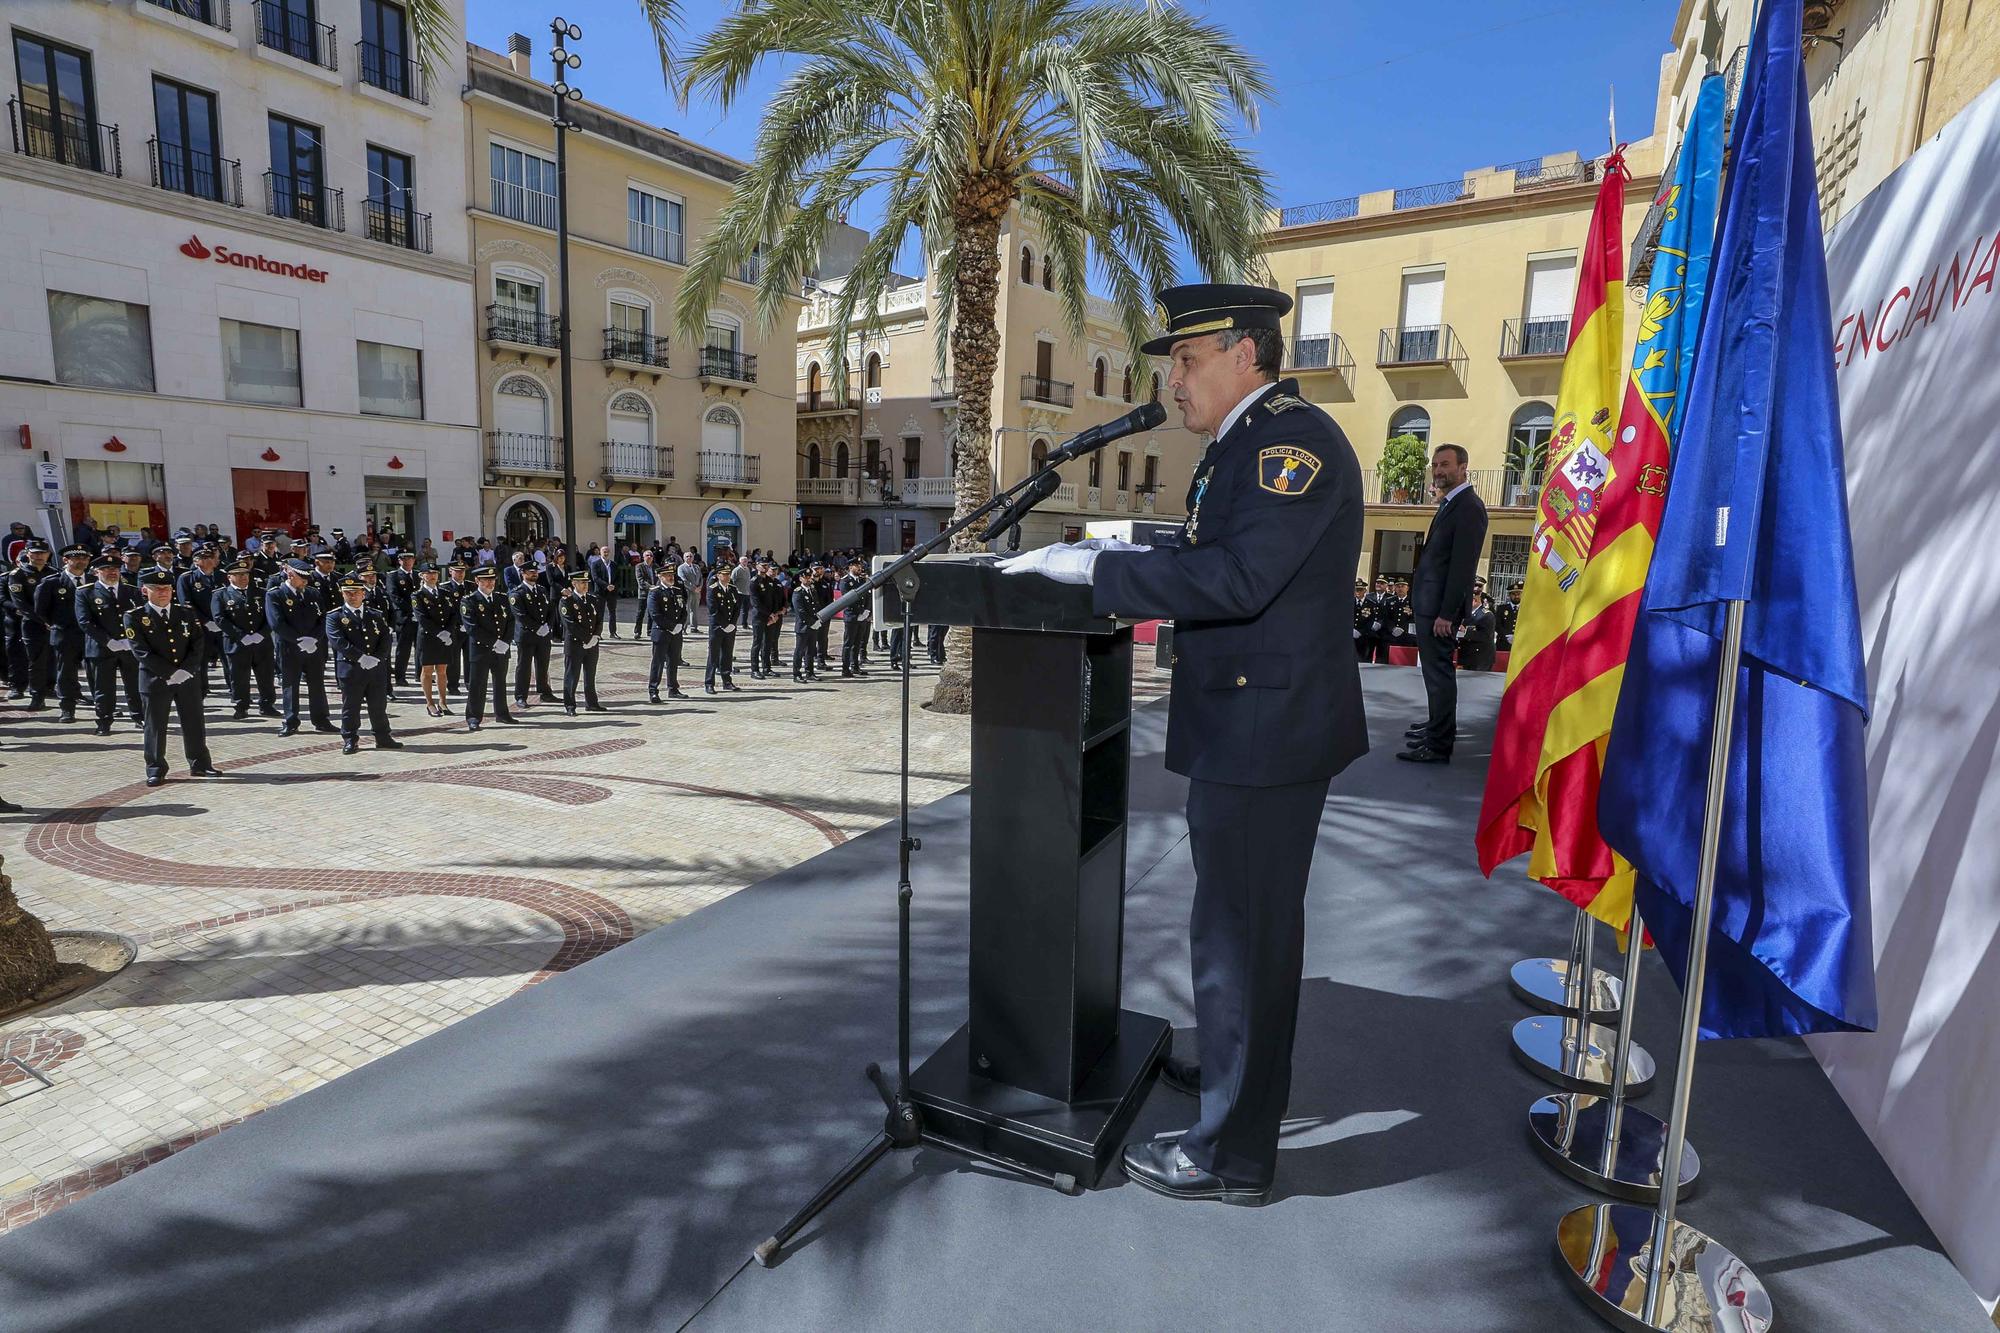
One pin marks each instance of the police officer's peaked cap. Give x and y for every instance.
(69, 551)
(182, 535)
(242, 567)
(34, 544)
(323, 555)
(1215, 307)
(107, 562)
(530, 568)
(298, 567)
(486, 572)
(352, 581)
(579, 575)
(408, 555)
(156, 578)
(201, 551)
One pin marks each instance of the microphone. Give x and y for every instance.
(1146, 417)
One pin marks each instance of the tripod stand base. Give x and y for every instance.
(1543, 983)
(1605, 1250)
(1570, 1129)
(1578, 1056)
(1077, 1138)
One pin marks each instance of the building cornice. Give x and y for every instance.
(1549, 199)
(168, 203)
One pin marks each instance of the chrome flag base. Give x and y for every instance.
(1577, 1056)
(1605, 1248)
(1543, 983)
(1571, 1130)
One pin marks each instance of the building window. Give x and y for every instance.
(1312, 322)
(260, 364)
(1546, 310)
(1038, 454)
(524, 186)
(1096, 471)
(1421, 319)
(840, 460)
(58, 104)
(1027, 265)
(521, 296)
(1097, 378)
(298, 172)
(812, 461)
(392, 206)
(1124, 471)
(188, 150)
(1048, 275)
(392, 380)
(1152, 481)
(872, 459)
(1411, 420)
(629, 319)
(101, 344)
(653, 225)
(1156, 388)
(913, 457)
(385, 48)
(1528, 452)
(1506, 565)
(1126, 388)
(871, 374)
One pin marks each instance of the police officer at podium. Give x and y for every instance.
(1266, 708)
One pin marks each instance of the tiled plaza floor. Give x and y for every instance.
(308, 912)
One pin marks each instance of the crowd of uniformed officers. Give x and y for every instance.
(147, 631)
(1384, 619)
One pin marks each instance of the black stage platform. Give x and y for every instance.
(600, 1153)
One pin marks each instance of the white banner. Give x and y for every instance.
(1917, 336)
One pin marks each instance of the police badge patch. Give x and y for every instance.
(1286, 471)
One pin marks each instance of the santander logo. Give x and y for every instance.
(222, 254)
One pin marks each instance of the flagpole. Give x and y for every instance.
(1568, 1049)
(1551, 984)
(1685, 1275)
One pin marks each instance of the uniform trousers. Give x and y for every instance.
(295, 666)
(853, 637)
(15, 649)
(408, 631)
(184, 699)
(802, 649)
(721, 650)
(35, 647)
(581, 661)
(667, 656)
(486, 670)
(1440, 685)
(531, 653)
(250, 661)
(362, 687)
(764, 644)
(107, 671)
(1253, 847)
(1364, 647)
(65, 658)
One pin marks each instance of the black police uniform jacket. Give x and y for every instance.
(55, 607)
(667, 610)
(486, 621)
(165, 641)
(236, 612)
(722, 596)
(532, 611)
(100, 612)
(353, 634)
(294, 614)
(1265, 687)
(582, 619)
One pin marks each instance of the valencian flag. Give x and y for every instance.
(1513, 816)
(1757, 513)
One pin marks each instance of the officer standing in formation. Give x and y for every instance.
(28, 647)
(488, 624)
(56, 609)
(455, 589)
(1477, 635)
(667, 620)
(358, 637)
(534, 630)
(721, 626)
(767, 601)
(582, 616)
(297, 617)
(195, 589)
(246, 641)
(107, 653)
(805, 606)
(402, 586)
(167, 639)
(437, 640)
(854, 620)
(1265, 709)
(1505, 617)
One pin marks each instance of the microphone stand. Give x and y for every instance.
(903, 1125)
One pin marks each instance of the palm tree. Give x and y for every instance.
(1109, 125)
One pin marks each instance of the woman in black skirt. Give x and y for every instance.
(436, 631)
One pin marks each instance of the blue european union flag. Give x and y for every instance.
(1756, 511)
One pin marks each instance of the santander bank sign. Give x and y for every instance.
(222, 254)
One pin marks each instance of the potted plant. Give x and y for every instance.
(1405, 465)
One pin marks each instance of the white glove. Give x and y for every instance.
(444, 637)
(211, 627)
(368, 663)
(1107, 544)
(1064, 564)
(253, 638)
(589, 643)
(121, 645)
(181, 677)
(542, 630)
(1375, 625)
(501, 646)
(308, 645)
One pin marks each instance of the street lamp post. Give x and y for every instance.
(560, 91)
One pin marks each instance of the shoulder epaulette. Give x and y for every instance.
(1283, 402)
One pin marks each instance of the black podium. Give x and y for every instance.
(1048, 1069)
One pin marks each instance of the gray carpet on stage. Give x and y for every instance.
(602, 1152)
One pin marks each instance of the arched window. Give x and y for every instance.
(840, 460)
(1411, 420)
(871, 374)
(1097, 378)
(1126, 389)
(1528, 453)
(1039, 454)
(1027, 264)
(1156, 388)
(812, 386)
(629, 451)
(527, 521)
(521, 424)
(812, 461)
(1048, 275)
(722, 438)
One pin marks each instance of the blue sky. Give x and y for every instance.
(1370, 94)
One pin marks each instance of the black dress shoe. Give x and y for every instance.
(1181, 1075)
(1421, 729)
(471, 726)
(677, 694)
(1159, 1167)
(548, 698)
(206, 771)
(570, 709)
(289, 729)
(350, 747)
(387, 743)
(67, 715)
(269, 710)
(155, 779)
(652, 696)
(709, 687)
(326, 727)
(731, 686)
(1424, 754)
(595, 708)
(103, 729)
(241, 714)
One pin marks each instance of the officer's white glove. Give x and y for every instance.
(1375, 625)
(211, 627)
(1357, 634)
(589, 644)
(253, 638)
(501, 646)
(444, 637)
(1064, 564)
(181, 677)
(1107, 544)
(368, 663)
(543, 630)
(121, 645)
(308, 645)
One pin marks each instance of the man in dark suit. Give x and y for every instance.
(1438, 598)
(1266, 708)
(166, 637)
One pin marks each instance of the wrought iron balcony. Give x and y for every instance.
(1532, 174)
(1319, 352)
(1429, 196)
(638, 462)
(215, 13)
(1333, 210)
(58, 137)
(1036, 389)
(296, 35)
(721, 363)
(511, 451)
(1529, 339)
(525, 328)
(635, 348)
(392, 72)
(191, 172)
(1412, 345)
(397, 226)
(721, 467)
(943, 389)
(821, 401)
(304, 201)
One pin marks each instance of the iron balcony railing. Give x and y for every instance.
(192, 172)
(638, 462)
(1432, 344)
(392, 72)
(1523, 338)
(215, 13)
(1037, 389)
(524, 205)
(659, 242)
(511, 451)
(296, 35)
(59, 137)
(640, 349)
(1429, 196)
(720, 467)
(402, 226)
(943, 389)
(751, 269)
(1333, 210)
(1503, 488)
(529, 328)
(1533, 174)
(1320, 351)
(304, 201)
(722, 363)
(823, 399)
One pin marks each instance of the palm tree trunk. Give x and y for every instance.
(27, 959)
(975, 354)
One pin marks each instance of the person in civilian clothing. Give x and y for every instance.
(1443, 586)
(167, 638)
